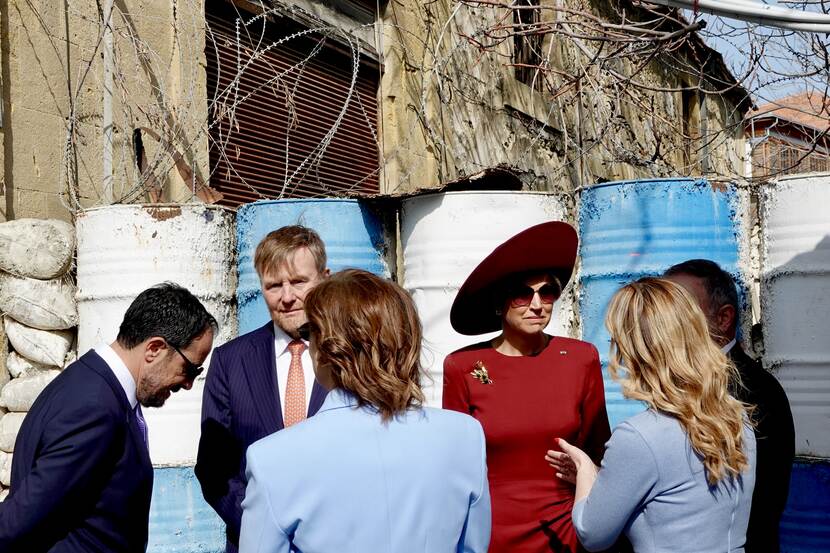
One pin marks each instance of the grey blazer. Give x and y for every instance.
(653, 487)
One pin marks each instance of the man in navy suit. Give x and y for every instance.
(262, 381)
(81, 474)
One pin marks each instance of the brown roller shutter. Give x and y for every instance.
(278, 128)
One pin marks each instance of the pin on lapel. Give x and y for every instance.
(563, 352)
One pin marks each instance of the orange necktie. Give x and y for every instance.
(295, 388)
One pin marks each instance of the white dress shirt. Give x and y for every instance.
(283, 356)
(728, 347)
(122, 373)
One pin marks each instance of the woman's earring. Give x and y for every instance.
(498, 312)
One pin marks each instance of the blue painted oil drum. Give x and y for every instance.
(352, 231)
(180, 519)
(631, 229)
(805, 525)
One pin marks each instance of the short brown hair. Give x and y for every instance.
(368, 334)
(278, 245)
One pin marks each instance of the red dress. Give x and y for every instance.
(532, 401)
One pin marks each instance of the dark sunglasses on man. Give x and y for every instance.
(191, 369)
(522, 295)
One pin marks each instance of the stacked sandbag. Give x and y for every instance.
(39, 320)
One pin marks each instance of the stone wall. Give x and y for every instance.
(452, 108)
(448, 108)
(53, 103)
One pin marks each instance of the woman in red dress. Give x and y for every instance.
(525, 387)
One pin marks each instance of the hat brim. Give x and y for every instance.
(548, 247)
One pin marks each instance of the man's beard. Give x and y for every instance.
(148, 397)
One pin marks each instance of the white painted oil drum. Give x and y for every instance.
(795, 303)
(443, 237)
(795, 226)
(124, 249)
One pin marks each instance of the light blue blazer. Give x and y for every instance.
(343, 481)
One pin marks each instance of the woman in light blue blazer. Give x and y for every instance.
(374, 470)
(678, 477)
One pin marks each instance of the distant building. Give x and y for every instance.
(790, 135)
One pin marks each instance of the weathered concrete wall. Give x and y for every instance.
(448, 108)
(53, 96)
(452, 109)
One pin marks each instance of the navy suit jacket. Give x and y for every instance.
(775, 439)
(241, 404)
(81, 473)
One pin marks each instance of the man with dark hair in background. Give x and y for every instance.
(717, 296)
(262, 381)
(81, 472)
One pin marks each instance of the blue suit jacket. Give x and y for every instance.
(241, 404)
(81, 473)
(344, 482)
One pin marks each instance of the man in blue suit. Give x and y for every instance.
(262, 381)
(81, 474)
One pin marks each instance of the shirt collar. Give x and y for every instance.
(119, 368)
(281, 340)
(728, 347)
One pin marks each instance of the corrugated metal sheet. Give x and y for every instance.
(256, 147)
(444, 237)
(795, 228)
(630, 229)
(353, 235)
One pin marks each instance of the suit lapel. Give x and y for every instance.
(261, 372)
(97, 364)
(318, 395)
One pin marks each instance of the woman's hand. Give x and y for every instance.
(573, 465)
(563, 465)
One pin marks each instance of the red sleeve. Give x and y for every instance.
(595, 430)
(456, 394)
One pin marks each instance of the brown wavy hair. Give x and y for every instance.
(367, 333)
(661, 353)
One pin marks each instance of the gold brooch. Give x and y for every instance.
(480, 373)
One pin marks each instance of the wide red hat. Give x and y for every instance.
(549, 247)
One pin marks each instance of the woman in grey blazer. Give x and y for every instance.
(678, 477)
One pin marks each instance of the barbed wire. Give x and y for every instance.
(607, 81)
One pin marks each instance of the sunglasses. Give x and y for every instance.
(305, 332)
(191, 369)
(522, 296)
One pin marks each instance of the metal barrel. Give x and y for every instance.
(631, 229)
(180, 519)
(122, 250)
(795, 281)
(443, 237)
(352, 232)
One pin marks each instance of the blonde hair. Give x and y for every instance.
(367, 333)
(279, 245)
(661, 353)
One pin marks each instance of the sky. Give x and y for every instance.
(735, 40)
